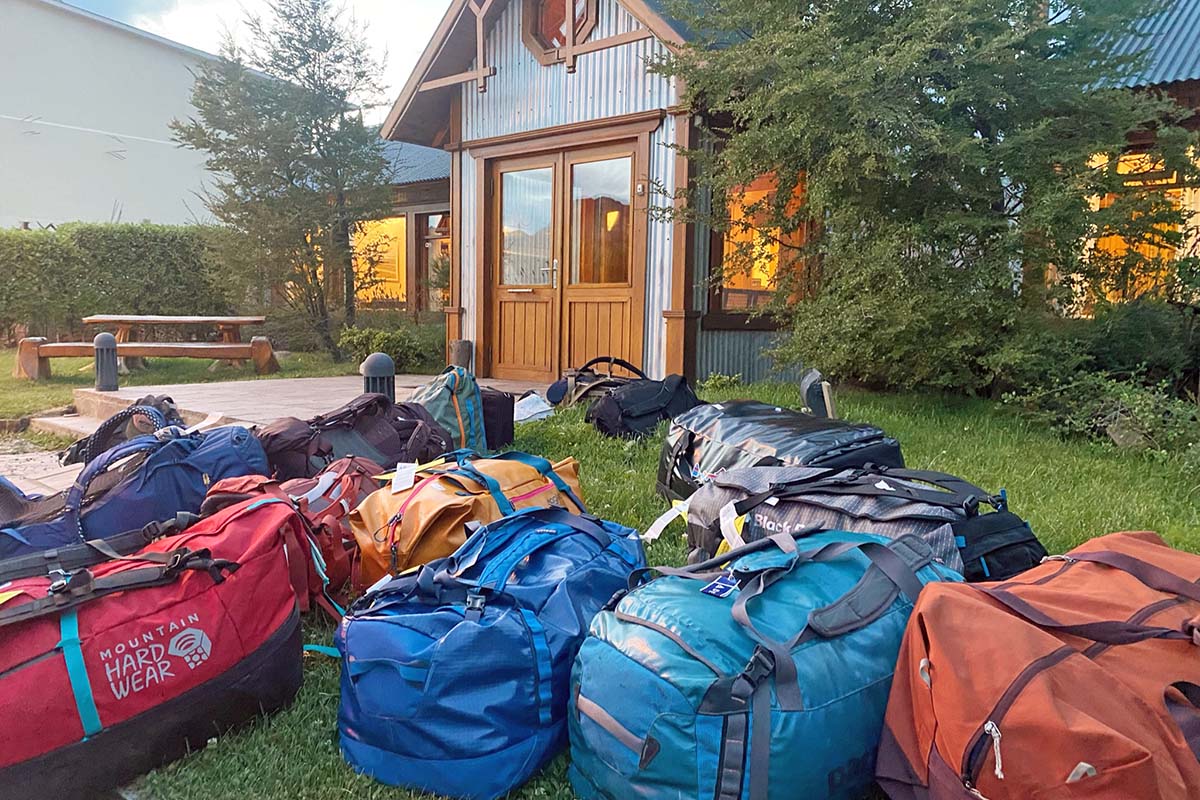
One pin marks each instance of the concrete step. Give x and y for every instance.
(74, 426)
(102, 405)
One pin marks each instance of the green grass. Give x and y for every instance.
(20, 397)
(1070, 491)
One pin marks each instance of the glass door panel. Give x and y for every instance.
(601, 221)
(527, 227)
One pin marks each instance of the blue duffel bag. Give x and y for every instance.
(765, 681)
(455, 677)
(146, 479)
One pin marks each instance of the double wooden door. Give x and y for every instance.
(564, 271)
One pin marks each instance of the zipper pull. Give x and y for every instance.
(993, 730)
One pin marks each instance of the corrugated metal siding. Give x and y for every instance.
(740, 353)
(1173, 39)
(524, 95)
(468, 247)
(659, 249)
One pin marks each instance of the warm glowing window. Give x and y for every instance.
(754, 254)
(383, 242)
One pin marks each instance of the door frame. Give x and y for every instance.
(637, 129)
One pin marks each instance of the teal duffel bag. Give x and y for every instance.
(765, 681)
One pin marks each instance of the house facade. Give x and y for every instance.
(85, 108)
(561, 143)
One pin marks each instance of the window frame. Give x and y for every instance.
(545, 54)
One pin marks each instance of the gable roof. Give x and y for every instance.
(419, 116)
(412, 163)
(1172, 38)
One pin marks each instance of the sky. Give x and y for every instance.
(397, 29)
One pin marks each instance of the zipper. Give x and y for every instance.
(989, 732)
(534, 493)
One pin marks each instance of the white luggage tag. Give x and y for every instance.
(732, 526)
(404, 477)
(678, 509)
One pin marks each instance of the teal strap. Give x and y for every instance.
(541, 650)
(323, 650)
(546, 470)
(319, 566)
(81, 686)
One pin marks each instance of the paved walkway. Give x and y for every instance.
(232, 403)
(261, 402)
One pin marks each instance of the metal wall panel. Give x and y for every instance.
(468, 248)
(740, 353)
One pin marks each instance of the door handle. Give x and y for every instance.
(520, 291)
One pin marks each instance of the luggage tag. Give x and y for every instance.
(656, 530)
(732, 526)
(387, 476)
(722, 587)
(404, 477)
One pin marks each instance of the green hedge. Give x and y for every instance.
(53, 278)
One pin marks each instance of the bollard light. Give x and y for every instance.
(106, 362)
(379, 375)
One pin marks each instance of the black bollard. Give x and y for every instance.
(106, 362)
(379, 375)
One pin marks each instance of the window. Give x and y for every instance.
(434, 230)
(546, 24)
(383, 242)
(750, 255)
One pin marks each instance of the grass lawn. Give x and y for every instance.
(1070, 491)
(21, 397)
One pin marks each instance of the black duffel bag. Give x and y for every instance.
(584, 383)
(744, 433)
(636, 408)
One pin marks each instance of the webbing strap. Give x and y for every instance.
(760, 742)
(546, 470)
(731, 770)
(541, 650)
(323, 650)
(81, 685)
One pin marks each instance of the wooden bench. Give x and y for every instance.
(34, 354)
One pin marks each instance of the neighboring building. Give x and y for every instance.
(85, 104)
(415, 241)
(559, 136)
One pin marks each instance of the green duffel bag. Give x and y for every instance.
(455, 401)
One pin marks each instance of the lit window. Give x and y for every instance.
(379, 252)
(753, 254)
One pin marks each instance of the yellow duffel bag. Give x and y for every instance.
(395, 531)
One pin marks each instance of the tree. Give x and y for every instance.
(945, 149)
(296, 169)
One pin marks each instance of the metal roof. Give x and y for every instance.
(1172, 39)
(413, 163)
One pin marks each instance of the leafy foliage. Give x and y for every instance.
(53, 278)
(948, 149)
(299, 171)
(413, 348)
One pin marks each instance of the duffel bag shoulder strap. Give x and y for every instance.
(546, 470)
(950, 483)
(613, 361)
(92, 552)
(81, 587)
(73, 505)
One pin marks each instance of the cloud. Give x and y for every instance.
(399, 29)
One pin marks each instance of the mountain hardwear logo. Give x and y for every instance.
(192, 645)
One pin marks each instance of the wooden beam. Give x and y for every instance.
(608, 42)
(462, 77)
(558, 137)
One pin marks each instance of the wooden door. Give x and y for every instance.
(526, 245)
(602, 279)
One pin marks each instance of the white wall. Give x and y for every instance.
(84, 114)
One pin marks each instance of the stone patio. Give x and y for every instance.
(233, 403)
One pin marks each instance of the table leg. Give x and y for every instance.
(126, 333)
(231, 334)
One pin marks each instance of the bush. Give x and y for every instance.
(53, 278)
(1148, 340)
(414, 349)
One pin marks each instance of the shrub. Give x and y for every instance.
(53, 278)
(413, 349)
(1147, 339)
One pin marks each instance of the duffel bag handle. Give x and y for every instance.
(543, 466)
(613, 361)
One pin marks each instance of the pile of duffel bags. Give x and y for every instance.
(843, 621)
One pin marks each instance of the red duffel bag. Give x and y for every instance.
(111, 671)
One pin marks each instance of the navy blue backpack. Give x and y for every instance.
(455, 677)
(146, 479)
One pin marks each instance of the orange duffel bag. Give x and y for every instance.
(1079, 679)
(396, 531)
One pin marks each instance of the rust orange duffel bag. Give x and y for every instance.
(399, 530)
(1079, 679)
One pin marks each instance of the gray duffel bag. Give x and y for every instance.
(969, 530)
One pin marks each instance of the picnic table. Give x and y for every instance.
(128, 325)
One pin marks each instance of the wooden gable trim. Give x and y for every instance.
(629, 126)
(482, 11)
